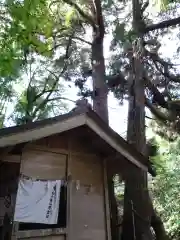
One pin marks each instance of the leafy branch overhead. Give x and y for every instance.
(27, 30)
(151, 56)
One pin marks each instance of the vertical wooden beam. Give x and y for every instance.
(15, 225)
(69, 190)
(106, 201)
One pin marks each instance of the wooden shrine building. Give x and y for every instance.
(78, 148)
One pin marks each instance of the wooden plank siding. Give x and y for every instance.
(64, 156)
(43, 165)
(61, 237)
(87, 205)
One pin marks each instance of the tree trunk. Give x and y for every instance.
(138, 221)
(98, 74)
(100, 97)
(98, 66)
(138, 209)
(158, 226)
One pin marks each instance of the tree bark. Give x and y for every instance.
(137, 210)
(137, 207)
(158, 226)
(163, 24)
(98, 73)
(100, 97)
(99, 85)
(139, 214)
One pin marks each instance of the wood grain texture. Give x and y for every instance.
(43, 165)
(44, 238)
(87, 203)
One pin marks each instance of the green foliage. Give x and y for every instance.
(30, 25)
(41, 97)
(31, 29)
(152, 147)
(162, 5)
(120, 32)
(166, 188)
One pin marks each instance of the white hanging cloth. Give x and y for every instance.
(37, 201)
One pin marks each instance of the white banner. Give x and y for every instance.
(37, 201)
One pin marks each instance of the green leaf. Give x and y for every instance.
(69, 16)
(120, 32)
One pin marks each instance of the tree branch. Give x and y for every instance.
(158, 97)
(112, 81)
(158, 226)
(171, 77)
(115, 80)
(99, 18)
(156, 58)
(56, 78)
(61, 98)
(144, 6)
(42, 93)
(81, 12)
(155, 111)
(82, 40)
(161, 25)
(150, 118)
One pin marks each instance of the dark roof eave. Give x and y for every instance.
(139, 156)
(40, 123)
(91, 114)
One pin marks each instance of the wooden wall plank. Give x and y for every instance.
(43, 165)
(45, 238)
(87, 208)
(41, 233)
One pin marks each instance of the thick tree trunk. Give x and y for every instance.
(137, 207)
(158, 226)
(137, 210)
(98, 66)
(98, 74)
(137, 221)
(100, 106)
(100, 97)
(139, 214)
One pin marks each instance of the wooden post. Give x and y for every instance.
(15, 225)
(69, 190)
(106, 201)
